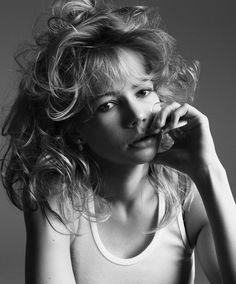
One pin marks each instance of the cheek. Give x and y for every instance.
(100, 135)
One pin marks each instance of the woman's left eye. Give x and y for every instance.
(144, 92)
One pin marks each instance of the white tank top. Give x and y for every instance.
(168, 259)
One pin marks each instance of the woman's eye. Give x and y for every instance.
(105, 107)
(144, 93)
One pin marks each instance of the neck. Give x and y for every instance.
(124, 184)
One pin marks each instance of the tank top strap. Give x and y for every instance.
(183, 232)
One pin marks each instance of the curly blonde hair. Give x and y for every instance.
(74, 58)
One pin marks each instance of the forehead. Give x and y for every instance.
(114, 69)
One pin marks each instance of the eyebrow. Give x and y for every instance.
(114, 93)
(108, 94)
(143, 83)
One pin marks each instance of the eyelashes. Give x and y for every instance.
(144, 92)
(106, 106)
(110, 104)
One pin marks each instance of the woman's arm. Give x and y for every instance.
(194, 154)
(213, 186)
(200, 236)
(47, 251)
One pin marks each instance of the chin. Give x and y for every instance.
(146, 156)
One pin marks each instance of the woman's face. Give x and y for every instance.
(116, 131)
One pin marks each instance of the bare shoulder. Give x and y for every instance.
(47, 249)
(195, 217)
(39, 222)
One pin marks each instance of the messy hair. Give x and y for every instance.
(76, 57)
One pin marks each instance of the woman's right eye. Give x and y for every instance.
(105, 107)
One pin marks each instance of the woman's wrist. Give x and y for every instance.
(209, 176)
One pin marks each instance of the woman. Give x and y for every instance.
(115, 169)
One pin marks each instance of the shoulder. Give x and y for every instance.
(42, 223)
(47, 249)
(195, 216)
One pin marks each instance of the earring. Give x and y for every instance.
(80, 144)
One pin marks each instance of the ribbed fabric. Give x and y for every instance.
(168, 259)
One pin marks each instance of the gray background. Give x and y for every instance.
(205, 30)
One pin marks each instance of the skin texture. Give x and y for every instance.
(118, 120)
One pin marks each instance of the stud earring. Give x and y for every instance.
(80, 144)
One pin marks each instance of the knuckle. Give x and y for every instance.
(185, 105)
(165, 111)
(175, 105)
(172, 106)
(204, 118)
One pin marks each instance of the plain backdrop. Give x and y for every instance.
(205, 30)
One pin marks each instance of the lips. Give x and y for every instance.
(143, 141)
(142, 138)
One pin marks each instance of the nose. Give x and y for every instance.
(137, 115)
(138, 120)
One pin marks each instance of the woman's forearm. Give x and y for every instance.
(212, 183)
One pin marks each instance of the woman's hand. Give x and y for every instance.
(193, 146)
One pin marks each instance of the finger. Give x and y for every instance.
(177, 125)
(165, 114)
(170, 120)
(171, 116)
(177, 118)
(192, 114)
(154, 123)
(177, 115)
(186, 115)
